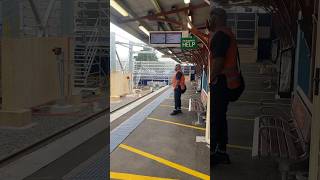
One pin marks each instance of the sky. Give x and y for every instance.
(124, 36)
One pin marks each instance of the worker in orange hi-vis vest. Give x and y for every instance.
(178, 84)
(224, 77)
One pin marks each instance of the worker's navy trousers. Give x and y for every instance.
(218, 112)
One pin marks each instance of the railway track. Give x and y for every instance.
(20, 153)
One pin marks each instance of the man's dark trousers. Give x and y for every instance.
(177, 98)
(218, 112)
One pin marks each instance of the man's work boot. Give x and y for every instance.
(219, 158)
(175, 112)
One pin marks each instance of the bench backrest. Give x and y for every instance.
(302, 117)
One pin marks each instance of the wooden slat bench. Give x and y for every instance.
(196, 105)
(283, 137)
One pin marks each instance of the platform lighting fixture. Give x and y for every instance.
(117, 7)
(143, 29)
(190, 18)
(170, 52)
(186, 1)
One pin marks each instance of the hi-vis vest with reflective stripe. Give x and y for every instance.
(182, 80)
(230, 68)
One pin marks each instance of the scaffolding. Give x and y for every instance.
(91, 23)
(86, 21)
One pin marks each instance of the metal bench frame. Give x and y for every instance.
(196, 105)
(294, 133)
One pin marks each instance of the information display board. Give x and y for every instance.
(166, 38)
(157, 38)
(173, 38)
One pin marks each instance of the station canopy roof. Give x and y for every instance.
(145, 13)
(172, 15)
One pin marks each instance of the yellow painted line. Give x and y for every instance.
(249, 102)
(126, 176)
(239, 147)
(262, 92)
(239, 118)
(230, 117)
(178, 124)
(166, 162)
(172, 106)
(253, 102)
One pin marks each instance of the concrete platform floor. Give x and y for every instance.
(240, 121)
(158, 138)
(170, 150)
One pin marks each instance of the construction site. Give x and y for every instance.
(54, 80)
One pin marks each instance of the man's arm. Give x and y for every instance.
(178, 78)
(219, 47)
(216, 67)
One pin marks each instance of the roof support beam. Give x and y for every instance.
(170, 21)
(37, 17)
(185, 9)
(42, 24)
(48, 12)
(159, 10)
(134, 15)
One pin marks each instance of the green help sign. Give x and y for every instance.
(189, 43)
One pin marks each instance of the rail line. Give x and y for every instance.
(54, 136)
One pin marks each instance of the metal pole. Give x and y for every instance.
(112, 52)
(131, 64)
(60, 64)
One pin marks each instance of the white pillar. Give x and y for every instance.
(112, 52)
(297, 54)
(208, 112)
(315, 124)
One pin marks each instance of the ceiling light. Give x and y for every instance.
(170, 52)
(190, 17)
(186, 1)
(117, 7)
(143, 29)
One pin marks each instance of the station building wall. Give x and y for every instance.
(29, 71)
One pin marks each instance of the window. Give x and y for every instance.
(244, 27)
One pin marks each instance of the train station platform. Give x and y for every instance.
(150, 143)
(162, 145)
(241, 116)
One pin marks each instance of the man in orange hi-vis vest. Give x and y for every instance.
(224, 77)
(178, 84)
